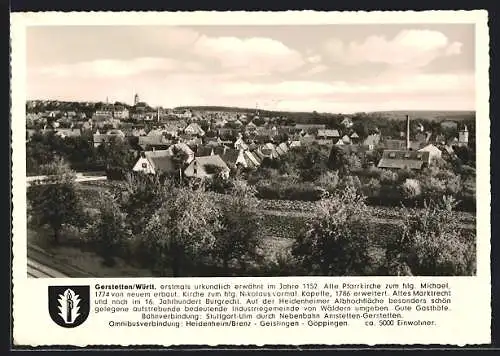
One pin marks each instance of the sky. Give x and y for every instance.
(324, 68)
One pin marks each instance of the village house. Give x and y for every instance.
(240, 144)
(396, 159)
(327, 134)
(309, 128)
(267, 150)
(346, 140)
(120, 112)
(220, 122)
(72, 132)
(392, 144)
(294, 144)
(354, 137)
(108, 137)
(323, 142)
(191, 141)
(194, 129)
(108, 122)
(207, 167)
(282, 149)
(231, 156)
(155, 162)
(154, 142)
(105, 112)
(434, 152)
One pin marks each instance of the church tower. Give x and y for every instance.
(136, 99)
(463, 136)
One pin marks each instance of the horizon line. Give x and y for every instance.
(260, 109)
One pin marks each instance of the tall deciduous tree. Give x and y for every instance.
(432, 243)
(143, 195)
(54, 201)
(179, 159)
(239, 237)
(109, 230)
(183, 229)
(336, 242)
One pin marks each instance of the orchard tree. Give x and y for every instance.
(109, 231)
(179, 159)
(182, 230)
(240, 218)
(143, 194)
(336, 242)
(54, 201)
(339, 160)
(311, 161)
(432, 243)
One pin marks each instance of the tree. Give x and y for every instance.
(182, 230)
(311, 161)
(432, 243)
(55, 201)
(143, 194)
(240, 218)
(336, 241)
(109, 230)
(179, 158)
(411, 188)
(338, 160)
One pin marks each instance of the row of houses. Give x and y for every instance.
(206, 161)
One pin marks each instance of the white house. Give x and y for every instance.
(153, 162)
(240, 144)
(201, 167)
(194, 129)
(434, 152)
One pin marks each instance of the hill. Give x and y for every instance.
(427, 115)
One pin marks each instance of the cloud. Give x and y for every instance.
(320, 68)
(417, 84)
(410, 48)
(454, 48)
(314, 59)
(257, 55)
(113, 67)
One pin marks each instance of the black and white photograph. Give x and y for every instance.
(251, 150)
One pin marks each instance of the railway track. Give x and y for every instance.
(38, 270)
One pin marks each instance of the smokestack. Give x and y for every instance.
(408, 132)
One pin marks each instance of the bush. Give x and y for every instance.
(282, 264)
(328, 181)
(116, 173)
(411, 189)
(433, 188)
(371, 188)
(388, 177)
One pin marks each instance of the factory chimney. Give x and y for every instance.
(408, 132)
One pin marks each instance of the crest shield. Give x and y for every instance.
(69, 306)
